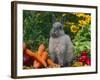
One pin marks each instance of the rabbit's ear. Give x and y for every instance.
(53, 19)
(62, 20)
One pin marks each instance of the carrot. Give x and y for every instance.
(51, 63)
(36, 64)
(38, 58)
(44, 56)
(41, 49)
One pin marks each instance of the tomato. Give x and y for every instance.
(88, 61)
(84, 53)
(82, 58)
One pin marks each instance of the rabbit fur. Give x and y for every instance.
(60, 45)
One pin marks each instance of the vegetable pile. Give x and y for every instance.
(38, 59)
(82, 60)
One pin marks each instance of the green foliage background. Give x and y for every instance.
(37, 26)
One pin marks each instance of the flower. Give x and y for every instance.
(82, 22)
(88, 19)
(74, 28)
(79, 14)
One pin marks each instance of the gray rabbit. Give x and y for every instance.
(60, 45)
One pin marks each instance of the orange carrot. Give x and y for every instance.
(38, 58)
(51, 63)
(41, 49)
(44, 56)
(36, 64)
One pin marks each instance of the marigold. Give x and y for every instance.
(74, 28)
(88, 19)
(82, 22)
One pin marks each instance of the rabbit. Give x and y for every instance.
(60, 44)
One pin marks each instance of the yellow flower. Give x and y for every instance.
(74, 28)
(88, 19)
(80, 25)
(82, 22)
(79, 14)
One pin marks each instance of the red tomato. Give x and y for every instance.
(84, 53)
(88, 61)
(82, 58)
